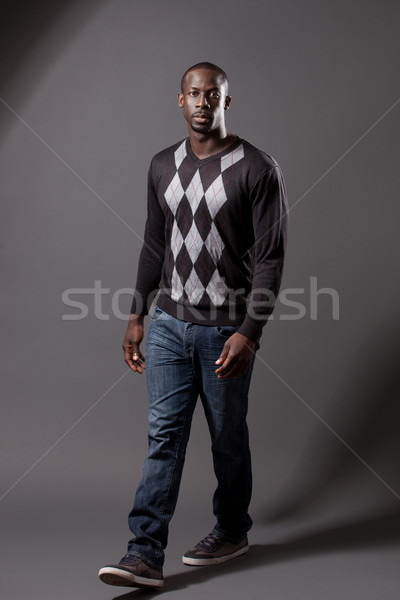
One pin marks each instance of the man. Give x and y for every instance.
(213, 250)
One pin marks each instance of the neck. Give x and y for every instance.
(206, 144)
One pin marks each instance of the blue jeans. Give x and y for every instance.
(180, 367)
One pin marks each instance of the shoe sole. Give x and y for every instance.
(198, 562)
(114, 576)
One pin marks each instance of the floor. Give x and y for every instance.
(291, 561)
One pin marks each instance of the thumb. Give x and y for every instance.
(135, 351)
(223, 355)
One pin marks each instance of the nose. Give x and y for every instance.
(202, 101)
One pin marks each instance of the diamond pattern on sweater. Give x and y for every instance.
(176, 240)
(214, 244)
(196, 243)
(176, 284)
(195, 192)
(204, 267)
(232, 158)
(215, 196)
(180, 155)
(217, 289)
(184, 217)
(193, 242)
(194, 288)
(174, 193)
(183, 264)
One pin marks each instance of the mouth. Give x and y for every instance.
(201, 117)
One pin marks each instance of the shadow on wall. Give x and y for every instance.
(365, 412)
(24, 25)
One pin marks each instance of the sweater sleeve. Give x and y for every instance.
(152, 254)
(269, 215)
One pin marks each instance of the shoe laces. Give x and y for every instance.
(211, 541)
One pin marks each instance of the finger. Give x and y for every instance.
(233, 369)
(226, 374)
(136, 367)
(226, 364)
(231, 374)
(135, 361)
(224, 354)
(138, 358)
(132, 350)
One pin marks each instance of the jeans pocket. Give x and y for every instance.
(225, 331)
(157, 312)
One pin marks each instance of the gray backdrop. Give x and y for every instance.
(88, 95)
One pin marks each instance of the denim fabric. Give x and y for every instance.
(180, 367)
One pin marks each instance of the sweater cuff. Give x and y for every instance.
(252, 328)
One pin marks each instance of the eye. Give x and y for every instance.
(215, 95)
(193, 93)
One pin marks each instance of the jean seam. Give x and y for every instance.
(146, 560)
(182, 429)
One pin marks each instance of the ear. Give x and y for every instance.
(227, 102)
(180, 100)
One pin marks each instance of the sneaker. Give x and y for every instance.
(132, 571)
(214, 549)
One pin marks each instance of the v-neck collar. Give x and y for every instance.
(200, 161)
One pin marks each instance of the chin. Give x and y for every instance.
(200, 128)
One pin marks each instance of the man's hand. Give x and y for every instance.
(235, 357)
(131, 344)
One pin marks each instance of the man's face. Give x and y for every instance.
(204, 100)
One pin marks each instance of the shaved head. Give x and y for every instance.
(205, 65)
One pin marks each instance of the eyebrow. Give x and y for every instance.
(214, 89)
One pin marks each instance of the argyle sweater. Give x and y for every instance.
(215, 237)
